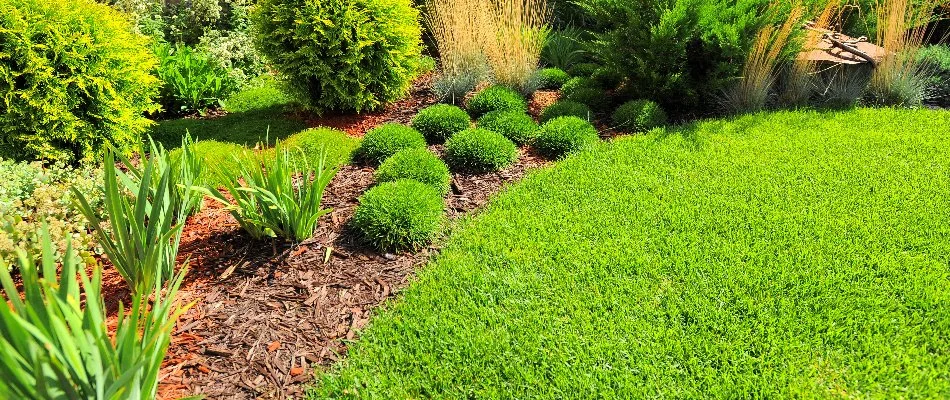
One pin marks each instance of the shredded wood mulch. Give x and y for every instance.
(267, 314)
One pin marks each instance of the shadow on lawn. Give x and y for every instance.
(242, 128)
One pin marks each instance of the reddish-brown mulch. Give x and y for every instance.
(268, 314)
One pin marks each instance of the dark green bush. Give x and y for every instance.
(383, 141)
(606, 78)
(192, 80)
(341, 55)
(583, 70)
(73, 78)
(514, 125)
(565, 108)
(400, 215)
(595, 98)
(576, 83)
(416, 164)
(437, 123)
(551, 78)
(479, 150)
(496, 98)
(564, 135)
(639, 116)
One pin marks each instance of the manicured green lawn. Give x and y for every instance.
(789, 255)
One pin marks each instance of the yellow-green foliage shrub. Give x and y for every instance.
(341, 55)
(73, 77)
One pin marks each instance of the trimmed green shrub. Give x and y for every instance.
(341, 55)
(496, 98)
(514, 125)
(385, 140)
(479, 150)
(551, 78)
(192, 80)
(563, 108)
(576, 83)
(639, 116)
(584, 70)
(400, 215)
(564, 135)
(73, 78)
(606, 78)
(595, 98)
(313, 144)
(437, 123)
(416, 164)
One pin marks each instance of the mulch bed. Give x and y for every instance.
(267, 313)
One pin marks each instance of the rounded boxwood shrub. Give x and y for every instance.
(385, 140)
(416, 164)
(496, 98)
(606, 78)
(73, 78)
(400, 215)
(514, 125)
(551, 78)
(563, 108)
(479, 150)
(583, 69)
(576, 83)
(437, 123)
(564, 135)
(595, 98)
(341, 55)
(639, 116)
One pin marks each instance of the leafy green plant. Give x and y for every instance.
(400, 215)
(639, 116)
(564, 135)
(193, 81)
(563, 108)
(341, 56)
(74, 80)
(606, 78)
(551, 78)
(280, 197)
(479, 150)
(142, 237)
(385, 140)
(936, 59)
(514, 125)
(185, 167)
(439, 122)
(33, 194)
(416, 164)
(576, 83)
(52, 346)
(496, 98)
(565, 48)
(595, 98)
(583, 70)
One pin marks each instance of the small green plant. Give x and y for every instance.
(514, 125)
(75, 79)
(563, 108)
(55, 346)
(341, 55)
(479, 150)
(583, 70)
(565, 48)
(279, 197)
(564, 135)
(185, 168)
(142, 237)
(576, 83)
(551, 78)
(595, 98)
(193, 81)
(453, 87)
(385, 140)
(439, 122)
(639, 116)
(416, 164)
(496, 98)
(400, 215)
(936, 60)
